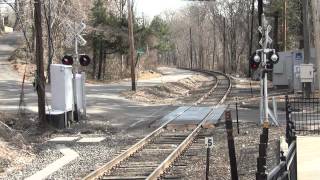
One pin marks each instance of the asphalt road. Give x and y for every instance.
(10, 81)
(105, 105)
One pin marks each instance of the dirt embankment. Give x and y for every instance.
(167, 93)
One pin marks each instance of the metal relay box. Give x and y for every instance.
(306, 73)
(61, 87)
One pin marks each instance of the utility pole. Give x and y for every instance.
(306, 43)
(131, 45)
(276, 31)
(191, 54)
(316, 20)
(40, 80)
(285, 25)
(260, 12)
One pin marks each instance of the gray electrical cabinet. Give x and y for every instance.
(282, 72)
(286, 74)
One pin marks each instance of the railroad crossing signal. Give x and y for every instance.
(268, 58)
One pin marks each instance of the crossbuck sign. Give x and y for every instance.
(74, 31)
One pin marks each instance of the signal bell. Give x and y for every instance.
(84, 60)
(67, 60)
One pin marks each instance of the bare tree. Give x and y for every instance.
(214, 25)
(39, 61)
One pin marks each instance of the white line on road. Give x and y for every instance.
(68, 156)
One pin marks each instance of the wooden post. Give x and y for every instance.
(208, 164)
(39, 62)
(316, 21)
(237, 112)
(261, 173)
(231, 147)
(131, 44)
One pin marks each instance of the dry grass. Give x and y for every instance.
(15, 151)
(167, 93)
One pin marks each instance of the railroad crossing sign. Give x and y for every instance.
(265, 35)
(74, 31)
(209, 142)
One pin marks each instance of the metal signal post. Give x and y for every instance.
(267, 57)
(74, 37)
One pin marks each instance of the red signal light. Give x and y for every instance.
(67, 60)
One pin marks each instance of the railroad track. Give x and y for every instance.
(153, 155)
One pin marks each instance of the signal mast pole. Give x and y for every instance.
(264, 42)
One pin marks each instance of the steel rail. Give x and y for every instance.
(181, 148)
(129, 152)
(207, 94)
(229, 88)
(139, 145)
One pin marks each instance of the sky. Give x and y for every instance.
(152, 8)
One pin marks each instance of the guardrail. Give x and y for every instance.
(287, 169)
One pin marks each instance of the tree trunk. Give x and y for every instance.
(50, 56)
(191, 54)
(100, 60)
(214, 45)
(39, 62)
(94, 59)
(104, 64)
